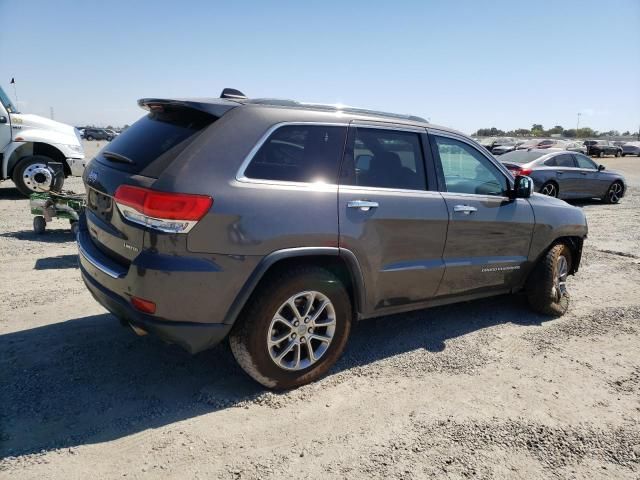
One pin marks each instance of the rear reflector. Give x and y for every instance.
(164, 211)
(145, 306)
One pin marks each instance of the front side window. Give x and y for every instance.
(585, 162)
(468, 171)
(300, 153)
(385, 159)
(565, 160)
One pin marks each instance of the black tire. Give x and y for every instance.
(18, 174)
(39, 224)
(543, 292)
(547, 187)
(614, 193)
(624, 154)
(248, 339)
(617, 153)
(601, 154)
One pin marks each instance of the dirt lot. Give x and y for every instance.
(483, 389)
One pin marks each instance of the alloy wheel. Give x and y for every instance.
(615, 193)
(549, 189)
(301, 331)
(560, 283)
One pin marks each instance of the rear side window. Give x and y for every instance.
(148, 146)
(300, 153)
(551, 162)
(385, 159)
(564, 160)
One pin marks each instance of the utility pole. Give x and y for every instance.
(578, 124)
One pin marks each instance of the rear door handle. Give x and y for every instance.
(466, 209)
(364, 205)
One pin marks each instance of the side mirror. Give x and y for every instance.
(600, 168)
(523, 187)
(3, 119)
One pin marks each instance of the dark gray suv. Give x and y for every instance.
(277, 224)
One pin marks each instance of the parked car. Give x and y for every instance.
(97, 134)
(532, 143)
(566, 175)
(112, 132)
(576, 147)
(496, 143)
(600, 148)
(508, 145)
(219, 218)
(631, 148)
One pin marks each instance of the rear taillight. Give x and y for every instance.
(525, 171)
(164, 211)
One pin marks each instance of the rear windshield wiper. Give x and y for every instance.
(116, 157)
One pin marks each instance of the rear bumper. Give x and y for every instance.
(193, 337)
(193, 294)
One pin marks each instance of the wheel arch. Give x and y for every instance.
(26, 149)
(338, 261)
(574, 243)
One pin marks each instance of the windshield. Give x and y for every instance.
(522, 156)
(4, 99)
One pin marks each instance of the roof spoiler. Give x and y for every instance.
(215, 107)
(233, 94)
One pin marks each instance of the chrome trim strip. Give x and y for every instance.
(93, 261)
(388, 126)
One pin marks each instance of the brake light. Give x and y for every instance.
(525, 171)
(164, 211)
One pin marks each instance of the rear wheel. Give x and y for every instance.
(32, 174)
(614, 194)
(600, 154)
(293, 328)
(617, 153)
(547, 285)
(89, 137)
(39, 224)
(550, 189)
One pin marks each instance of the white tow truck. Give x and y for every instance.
(33, 147)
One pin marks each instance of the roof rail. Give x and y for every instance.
(331, 108)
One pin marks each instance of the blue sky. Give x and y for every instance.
(464, 64)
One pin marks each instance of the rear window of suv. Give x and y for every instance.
(300, 153)
(148, 146)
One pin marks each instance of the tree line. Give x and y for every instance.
(537, 130)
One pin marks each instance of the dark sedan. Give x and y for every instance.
(566, 175)
(631, 148)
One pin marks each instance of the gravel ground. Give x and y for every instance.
(484, 389)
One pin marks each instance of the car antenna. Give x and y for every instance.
(233, 94)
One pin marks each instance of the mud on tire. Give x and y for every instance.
(545, 290)
(249, 339)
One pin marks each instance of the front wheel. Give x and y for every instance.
(600, 154)
(614, 194)
(293, 328)
(32, 174)
(547, 285)
(617, 153)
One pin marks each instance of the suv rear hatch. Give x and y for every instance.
(121, 203)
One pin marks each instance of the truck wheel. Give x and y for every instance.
(546, 287)
(32, 174)
(39, 224)
(89, 137)
(293, 328)
(617, 153)
(600, 154)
